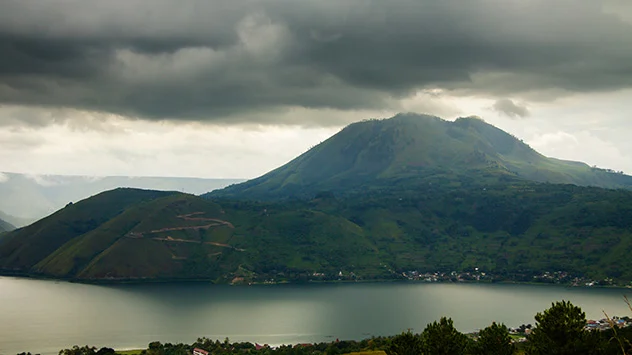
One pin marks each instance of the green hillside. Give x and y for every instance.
(29, 245)
(512, 231)
(178, 236)
(380, 153)
(164, 238)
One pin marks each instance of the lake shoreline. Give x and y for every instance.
(43, 316)
(149, 281)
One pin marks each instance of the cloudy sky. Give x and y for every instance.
(235, 88)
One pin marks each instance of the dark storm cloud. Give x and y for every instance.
(510, 109)
(214, 59)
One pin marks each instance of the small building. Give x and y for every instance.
(198, 351)
(259, 347)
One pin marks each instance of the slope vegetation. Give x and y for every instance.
(27, 246)
(408, 147)
(178, 236)
(377, 199)
(514, 231)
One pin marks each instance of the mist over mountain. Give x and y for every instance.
(27, 198)
(5, 226)
(412, 148)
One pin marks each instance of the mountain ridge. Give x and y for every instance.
(28, 197)
(5, 226)
(411, 146)
(377, 200)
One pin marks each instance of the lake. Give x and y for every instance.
(45, 316)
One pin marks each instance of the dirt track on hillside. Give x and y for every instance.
(187, 217)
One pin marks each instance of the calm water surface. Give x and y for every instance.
(46, 316)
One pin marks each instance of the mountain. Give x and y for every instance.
(27, 246)
(5, 226)
(137, 234)
(378, 199)
(410, 148)
(512, 231)
(15, 221)
(27, 198)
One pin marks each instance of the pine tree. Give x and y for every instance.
(406, 343)
(559, 331)
(494, 339)
(442, 338)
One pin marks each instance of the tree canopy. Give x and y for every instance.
(560, 330)
(494, 339)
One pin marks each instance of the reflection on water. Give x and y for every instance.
(45, 316)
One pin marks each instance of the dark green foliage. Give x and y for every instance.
(559, 330)
(618, 341)
(442, 338)
(106, 351)
(156, 348)
(87, 350)
(406, 343)
(495, 340)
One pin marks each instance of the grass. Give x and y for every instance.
(129, 352)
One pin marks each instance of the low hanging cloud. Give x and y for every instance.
(509, 108)
(218, 60)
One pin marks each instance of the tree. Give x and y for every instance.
(76, 350)
(442, 338)
(494, 339)
(560, 331)
(155, 348)
(406, 343)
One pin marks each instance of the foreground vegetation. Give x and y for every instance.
(561, 329)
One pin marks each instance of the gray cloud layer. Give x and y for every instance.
(213, 59)
(510, 109)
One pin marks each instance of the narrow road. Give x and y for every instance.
(188, 217)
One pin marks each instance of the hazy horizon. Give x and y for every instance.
(211, 89)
